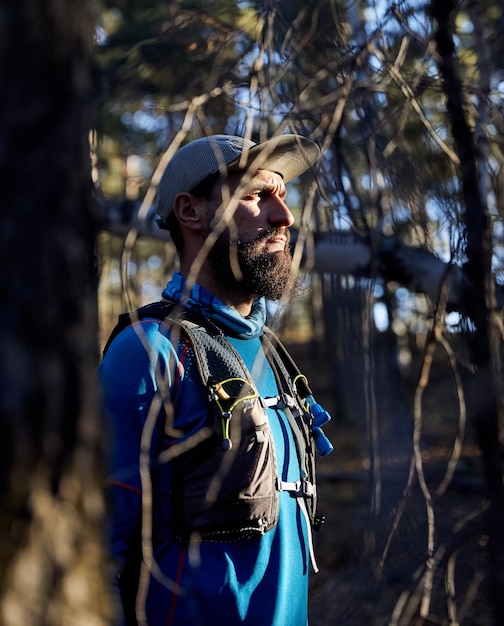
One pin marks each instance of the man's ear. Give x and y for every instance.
(188, 211)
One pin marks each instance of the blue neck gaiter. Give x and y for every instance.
(203, 302)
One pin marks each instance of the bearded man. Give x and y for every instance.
(211, 497)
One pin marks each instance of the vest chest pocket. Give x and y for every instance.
(224, 488)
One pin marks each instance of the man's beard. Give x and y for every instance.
(258, 273)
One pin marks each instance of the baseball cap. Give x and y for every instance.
(288, 155)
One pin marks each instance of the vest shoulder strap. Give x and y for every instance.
(276, 351)
(215, 356)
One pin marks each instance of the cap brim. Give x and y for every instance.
(289, 155)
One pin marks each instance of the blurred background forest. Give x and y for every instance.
(400, 244)
(365, 80)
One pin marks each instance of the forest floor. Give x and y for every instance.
(399, 547)
(363, 583)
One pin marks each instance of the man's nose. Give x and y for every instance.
(279, 213)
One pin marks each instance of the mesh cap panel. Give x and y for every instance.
(288, 155)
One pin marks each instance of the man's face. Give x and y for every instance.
(252, 255)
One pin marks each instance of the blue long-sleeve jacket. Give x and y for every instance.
(259, 581)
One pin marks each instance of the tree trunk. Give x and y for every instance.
(486, 345)
(51, 555)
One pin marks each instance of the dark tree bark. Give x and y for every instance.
(50, 547)
(487, 341)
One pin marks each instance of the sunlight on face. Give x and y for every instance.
(252, 255)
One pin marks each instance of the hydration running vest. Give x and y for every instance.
(226, 486)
